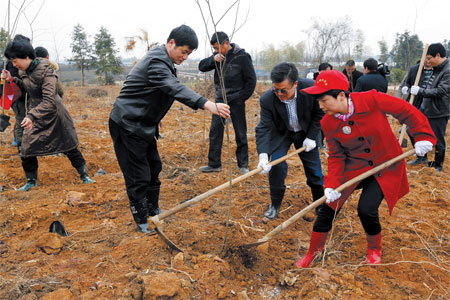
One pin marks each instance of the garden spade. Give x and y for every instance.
(318, 202)
(155, 221)
(416, 82)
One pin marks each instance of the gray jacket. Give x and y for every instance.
(149, 91)
(436, 96)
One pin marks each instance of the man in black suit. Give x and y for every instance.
(288, 116)
(352, 74)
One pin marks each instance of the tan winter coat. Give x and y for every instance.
(53, 130)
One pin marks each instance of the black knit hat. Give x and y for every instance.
(19, 48)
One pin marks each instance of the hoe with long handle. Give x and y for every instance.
(416, 82)
(154, 222)
(318, 202)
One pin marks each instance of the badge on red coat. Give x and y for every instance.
(347, 129)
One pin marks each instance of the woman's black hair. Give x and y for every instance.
(19, 48)
(332, 93)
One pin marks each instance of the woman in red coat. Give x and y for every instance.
(360, 138)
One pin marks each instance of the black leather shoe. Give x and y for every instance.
(418, 160)
(144, 229)
(243, 170)
(208, 169)
(272, 212)
(435, 165)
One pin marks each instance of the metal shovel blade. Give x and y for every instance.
(153, 224)
(4, 122)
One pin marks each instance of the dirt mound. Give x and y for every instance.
(105, 258)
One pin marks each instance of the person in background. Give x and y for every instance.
(352, 74)
(288, 117)
(371, 79)
(239, 81)
(322, 67)
(436, 99)
(18, 105)
(42, 52)
(360, 138)
(48, 126)
(425, 76)
(149, 91)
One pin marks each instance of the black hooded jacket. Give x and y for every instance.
(240, 76)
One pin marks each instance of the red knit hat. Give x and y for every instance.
(328, 80)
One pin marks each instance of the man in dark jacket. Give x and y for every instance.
(148, 93)
(425, 76)
(436, 99)
(352, 74)
(288, 116)
(371, 79)
(239, 80)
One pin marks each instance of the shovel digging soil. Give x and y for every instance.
(154, 222)
(318, 202)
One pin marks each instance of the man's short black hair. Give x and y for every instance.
(41, 52)
(371, 64)
(284, 71)
(184, 36)
(19, 48)
(324, 66)
(220, 37)
(350, 63)
(436, 48)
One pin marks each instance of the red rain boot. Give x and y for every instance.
(316, 245)
(373, 249)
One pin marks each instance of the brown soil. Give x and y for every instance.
(105, 258)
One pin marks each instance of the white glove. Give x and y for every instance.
(264, 163)
(404, 90)
(331, 195)
(422, 147)
(310, 144)
(415, 89)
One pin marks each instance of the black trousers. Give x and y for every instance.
(30, 164)
(310, 160)
(237, 110)
(439, 125)
(140, 164)
(368, 205)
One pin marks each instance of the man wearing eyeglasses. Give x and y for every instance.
(288, 117)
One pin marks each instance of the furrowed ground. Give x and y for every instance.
(105, 258)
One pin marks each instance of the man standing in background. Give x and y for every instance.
(239, 81)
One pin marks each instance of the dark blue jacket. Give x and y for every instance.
(371, 81)
(273, 125)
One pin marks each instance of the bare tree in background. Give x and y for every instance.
(329, 39)
(235, 5)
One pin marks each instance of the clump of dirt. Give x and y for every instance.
(241, 254)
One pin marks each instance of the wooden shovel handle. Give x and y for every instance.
(198, 198)
(342, 187)
(416, 82)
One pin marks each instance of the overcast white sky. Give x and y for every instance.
(269, 21)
